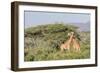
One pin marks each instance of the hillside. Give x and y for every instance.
(42, 42)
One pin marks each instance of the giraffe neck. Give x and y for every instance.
(69, 40)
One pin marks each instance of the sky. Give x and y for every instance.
(33, 18)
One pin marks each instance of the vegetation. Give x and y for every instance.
(42, 42)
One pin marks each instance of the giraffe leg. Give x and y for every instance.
(68, 48)
(74, 47)
(62, 47)
(78, 49)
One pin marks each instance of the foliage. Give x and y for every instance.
(42, 42)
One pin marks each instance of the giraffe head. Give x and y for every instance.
(70, 33)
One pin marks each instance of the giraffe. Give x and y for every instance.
(71, 42)
(76, 44)
(67, 44)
